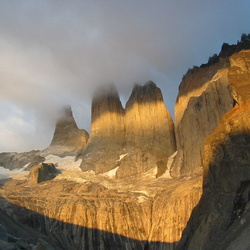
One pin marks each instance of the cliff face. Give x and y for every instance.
(107, 132)
(226, 190)
(68, 139)
(130, 140)
(149, 138)
(206, 93)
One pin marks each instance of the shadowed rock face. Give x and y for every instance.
(226, 194)
(42, 172)
(133, 140)
(19, 160)
(206, 94)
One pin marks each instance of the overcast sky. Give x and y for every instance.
(56, 52)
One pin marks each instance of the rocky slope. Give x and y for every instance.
(96, 212)
(205, 95)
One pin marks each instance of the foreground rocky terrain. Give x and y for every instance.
(140, 181)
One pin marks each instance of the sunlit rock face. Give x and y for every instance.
(239, 75)
(133, 140)
(149, 137)
(101, 213)
(206, 94)
(68, 139)
(221, 219)
(107, 132)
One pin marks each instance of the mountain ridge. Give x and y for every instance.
(182, 185)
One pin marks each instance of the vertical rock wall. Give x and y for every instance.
(149, 132)
(206, 94)
(107, 132)
(68, 139)
(222, 215)
(133, 140)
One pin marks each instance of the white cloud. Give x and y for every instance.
(57, 52)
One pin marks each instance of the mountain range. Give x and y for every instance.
(140, 180)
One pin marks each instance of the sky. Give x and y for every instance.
(57, 52)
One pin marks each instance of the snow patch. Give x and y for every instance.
(142, 192)
(141, 199)
(111, 173)
(7, 173)
(169, 166)
(121, 157)
(26, 165)
(64, 163)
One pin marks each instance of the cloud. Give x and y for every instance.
(58, 52)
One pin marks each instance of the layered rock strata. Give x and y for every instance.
(226, 194)
(130, 141)
(205, 95)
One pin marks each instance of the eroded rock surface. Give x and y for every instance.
(103, 213)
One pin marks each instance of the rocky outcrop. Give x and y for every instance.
(205, 94)
(68, 139)
(130, 140)
(226, 187)
(42, 172)
(20, 160)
